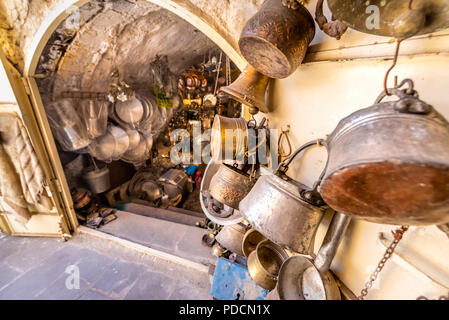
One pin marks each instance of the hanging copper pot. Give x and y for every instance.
(230, 185)
(392, 18)
(389, 163)
(249, 89)
(215, 211)
(275, 40)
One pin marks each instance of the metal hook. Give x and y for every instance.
(398, 45)
(252, 123)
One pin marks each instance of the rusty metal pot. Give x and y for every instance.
(284, 210)
(231, 238)
(275, 40)
(389, 163)
(250, 241)
(223, 127)
(265, 262)
(230, 185)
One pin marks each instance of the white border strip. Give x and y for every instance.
(143, 249)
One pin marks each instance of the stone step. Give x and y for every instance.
(159, 213)
(174, 238)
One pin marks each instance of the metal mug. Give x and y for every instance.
(265, 262)
(230, 127)
(284, 210)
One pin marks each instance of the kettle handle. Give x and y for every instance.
(331, 242)
(283, 166)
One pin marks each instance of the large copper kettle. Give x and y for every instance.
(389, 163)
(275, 40)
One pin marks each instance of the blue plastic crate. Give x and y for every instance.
(232, 282)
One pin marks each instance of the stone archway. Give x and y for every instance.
(63, 10)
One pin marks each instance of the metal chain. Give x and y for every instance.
(228, 71)
(218, 72)
(398, 234)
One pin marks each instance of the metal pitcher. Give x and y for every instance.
(389, 163)
(284, 210)
(275, 40)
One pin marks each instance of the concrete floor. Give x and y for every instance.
(39, 268)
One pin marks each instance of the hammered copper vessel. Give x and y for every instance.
(249, 89)
(230, 185)
(275, 40)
